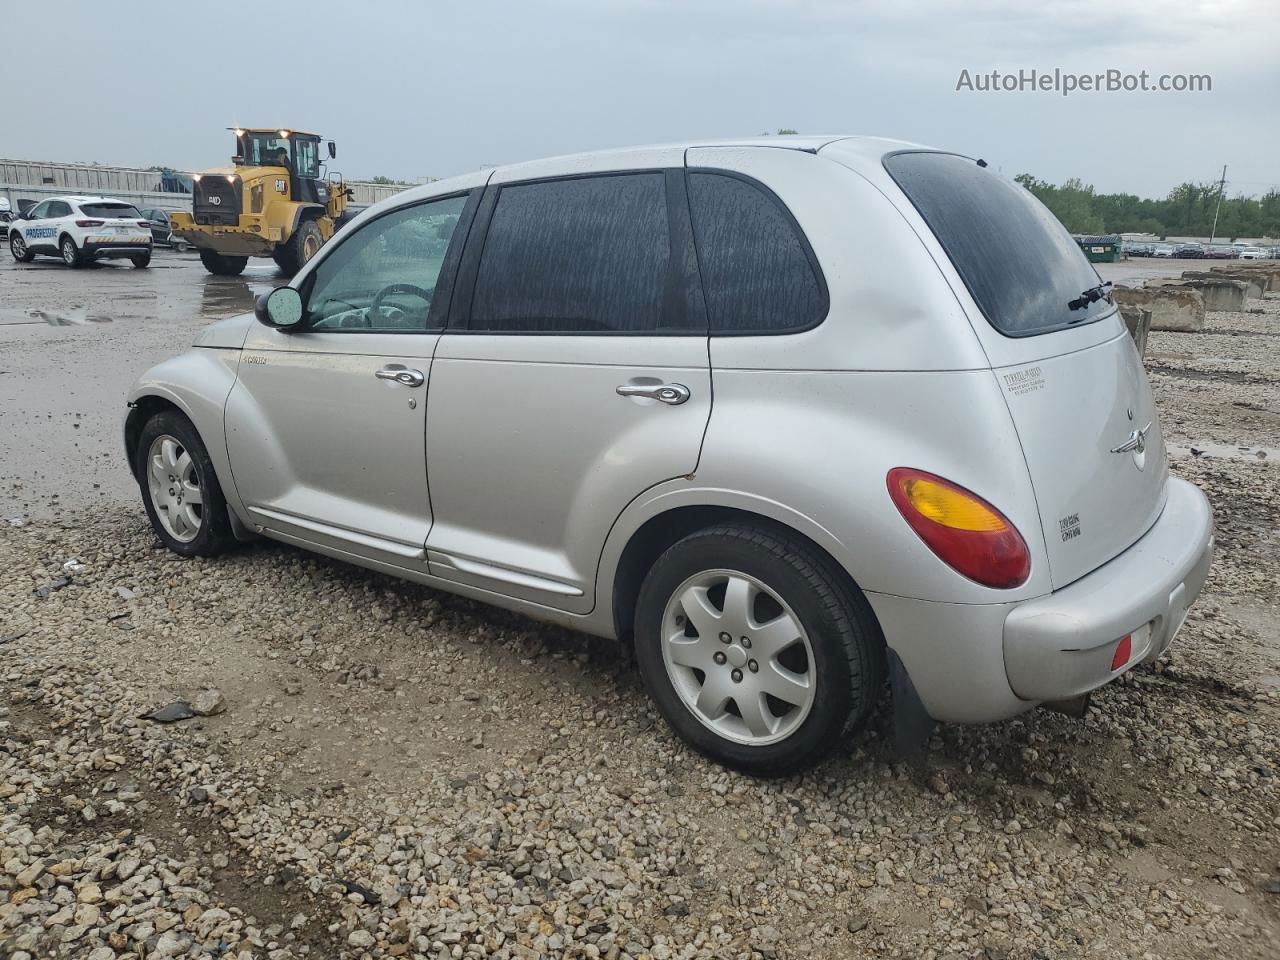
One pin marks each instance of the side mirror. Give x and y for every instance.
(333, 151)
(281, 308)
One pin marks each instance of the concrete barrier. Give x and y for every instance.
(1267, 270)
(1219, 294)
(1172, 308)
(1257, 282)
(1138, 320)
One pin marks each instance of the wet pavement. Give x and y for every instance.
(71, 343)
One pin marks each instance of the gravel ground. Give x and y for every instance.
(379, 770)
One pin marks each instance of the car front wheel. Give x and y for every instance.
(18, 247)
(755, 650)
(181, 492)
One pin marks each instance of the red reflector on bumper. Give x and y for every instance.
(1124, 650)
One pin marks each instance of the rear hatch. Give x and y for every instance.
(1081, 403)
(113, 222)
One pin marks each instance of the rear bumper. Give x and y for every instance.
(1060, 646)
(975, 663)
(107, 251)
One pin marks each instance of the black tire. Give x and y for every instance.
(848, 648)
(71, 254)
(142, 260)
(222, 265)
(302, 246)
(18, 247)
(214, 534)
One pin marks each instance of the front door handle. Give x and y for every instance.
(672, 393)
(398, 373)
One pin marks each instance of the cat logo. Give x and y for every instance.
(216, 201)
(281, 186)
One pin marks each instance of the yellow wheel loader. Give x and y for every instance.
(273, 202)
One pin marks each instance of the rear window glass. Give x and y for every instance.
(1020, 264)
(755, 270)
(589, 255)
(107, 210)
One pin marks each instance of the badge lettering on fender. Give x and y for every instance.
(1069, 527)
(254, 358)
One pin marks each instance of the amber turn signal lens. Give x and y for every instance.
(967, 533)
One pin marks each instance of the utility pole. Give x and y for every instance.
(1218, 206)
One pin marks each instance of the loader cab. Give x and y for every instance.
(297, 152)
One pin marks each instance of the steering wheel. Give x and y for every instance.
(375, 306)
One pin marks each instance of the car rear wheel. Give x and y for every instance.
(141, 260)
(71, 254)
(222, 265)
(755, 650)
(18, 247)
(179, 488)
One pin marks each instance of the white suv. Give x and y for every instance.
(81, 229)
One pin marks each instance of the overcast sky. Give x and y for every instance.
(413, 89)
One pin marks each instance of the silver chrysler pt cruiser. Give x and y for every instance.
(791, 416)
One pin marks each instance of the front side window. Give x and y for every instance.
(306, 158)
(383, 277)
(41, 210)
(756, 272)
(588, 255)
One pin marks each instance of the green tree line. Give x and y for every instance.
(1186, 211)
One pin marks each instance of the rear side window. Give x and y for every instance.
(108, 210)
(1020, 264)
(757, 273)
(589, 255)
(58, 208)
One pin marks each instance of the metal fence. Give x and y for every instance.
(165, 189)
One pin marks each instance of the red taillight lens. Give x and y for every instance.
(90, 223)
(145, 223)
(967, 533)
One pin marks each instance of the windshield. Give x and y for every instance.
(106, 210)
(1019, 263)
(264, 148)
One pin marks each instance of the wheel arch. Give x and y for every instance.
(141, 410)
(631, 552)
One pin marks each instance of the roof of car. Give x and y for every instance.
(809, 143)
(77, 198)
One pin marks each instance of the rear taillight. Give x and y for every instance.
(144, 223)
(90, 223)
(967, 533)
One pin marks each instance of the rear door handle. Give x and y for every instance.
(399, 373)
(672, 393)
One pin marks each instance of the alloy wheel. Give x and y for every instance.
(738, 657)
(174, 486)
(69, 252)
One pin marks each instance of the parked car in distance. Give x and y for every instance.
(1139, 249)
(162, 230)
(81, 230)
(933, 450)
(1189, 251)
(1221, 252)
(1253, 253)
(1163, 250)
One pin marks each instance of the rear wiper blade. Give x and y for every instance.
(1101, 292)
